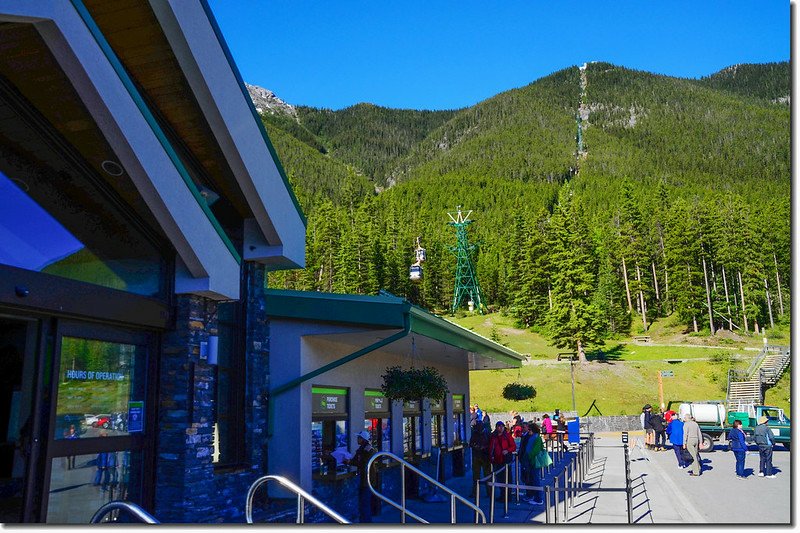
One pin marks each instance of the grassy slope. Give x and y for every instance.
(622, 383)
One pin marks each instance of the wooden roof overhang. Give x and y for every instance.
(178, 58)
(54, 62)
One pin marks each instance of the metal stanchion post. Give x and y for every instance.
(572, 483)
(477, 499)
(403, 493)
(566, 495)
(517, 470)
(301, 509)
(452, 509)
(555, 499)
(491, 498)
(505, 496)
(547, 504)
(628, 489)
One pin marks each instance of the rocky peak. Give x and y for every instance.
(267, 102)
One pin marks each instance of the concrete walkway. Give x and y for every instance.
(662, 493)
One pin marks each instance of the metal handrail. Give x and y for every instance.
(302, 497)
(402, 506)
(131, 508)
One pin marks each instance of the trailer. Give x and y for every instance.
(715, 420)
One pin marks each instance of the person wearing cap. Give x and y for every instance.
(675, 434)
(765, 441)
(360, 460)
(501, 446)
(647, 423)
(691, 442)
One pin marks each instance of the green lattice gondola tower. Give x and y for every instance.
(466, 274)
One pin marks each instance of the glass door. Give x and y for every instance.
(99, 441)
(18, 354)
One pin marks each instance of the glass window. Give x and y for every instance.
(229, 444)
(412, 428)
(80, 485)
(329, 429)
(459, 420)
(329, 445)
(61, 225)
(380, 431)
(437, 433)
(100, 389)
(377, 419)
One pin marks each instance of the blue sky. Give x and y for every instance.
(444, 54)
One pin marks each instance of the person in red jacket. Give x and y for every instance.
(501, 444)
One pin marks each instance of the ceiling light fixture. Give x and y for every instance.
(112, 168)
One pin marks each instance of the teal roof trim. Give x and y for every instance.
(385, 311)
(116, 64)
(256, 116)
(435, 327)
(327, 307)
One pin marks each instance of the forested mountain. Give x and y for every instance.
(679, 203)
(769, 81)
(370, 137)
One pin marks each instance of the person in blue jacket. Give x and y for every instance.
(675, 435)
(738, 447)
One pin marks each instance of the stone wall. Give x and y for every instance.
(597, 424)
(188, 487)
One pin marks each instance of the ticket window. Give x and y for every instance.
(459, 421)
(377, 420)
(438, 415)
(330, 432)
(412, 429)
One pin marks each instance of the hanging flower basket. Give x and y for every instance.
(518, 392)
(413, 384)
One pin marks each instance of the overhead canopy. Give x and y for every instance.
(388, 312)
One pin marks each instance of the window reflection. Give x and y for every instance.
(80, 485)
(44, 230)
(99, 391)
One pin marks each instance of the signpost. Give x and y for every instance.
(663, 374)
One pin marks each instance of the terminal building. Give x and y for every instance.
(142, 207)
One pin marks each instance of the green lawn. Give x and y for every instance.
(621, 376)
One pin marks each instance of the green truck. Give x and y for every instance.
(715, 420)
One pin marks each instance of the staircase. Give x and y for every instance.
(744, 392)
(747, 387)
(775, 361)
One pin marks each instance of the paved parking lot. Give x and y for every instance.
(662, 493)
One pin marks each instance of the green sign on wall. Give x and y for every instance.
(328, 401)
(411, 407)
(375, 402)
(458, 403)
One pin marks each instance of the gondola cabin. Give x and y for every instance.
(415, 273)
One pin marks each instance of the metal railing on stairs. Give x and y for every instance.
(404, 511)
(136, 512)
(302, 497)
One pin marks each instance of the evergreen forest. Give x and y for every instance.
(602, 198)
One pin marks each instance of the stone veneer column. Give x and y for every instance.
(187, 487)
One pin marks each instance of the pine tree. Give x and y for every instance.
(574, 320)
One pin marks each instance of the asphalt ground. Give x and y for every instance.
(662, 493)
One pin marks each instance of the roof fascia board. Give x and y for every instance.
(217, 85)
(148, 116)
(385, 314)
(440, 329)
(140, 145)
